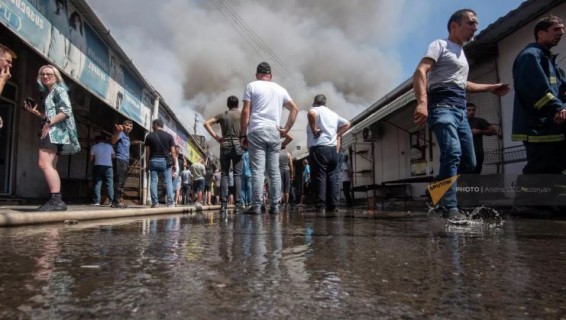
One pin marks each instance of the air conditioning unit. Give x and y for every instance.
(373, 132)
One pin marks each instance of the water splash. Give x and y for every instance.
(487, 215)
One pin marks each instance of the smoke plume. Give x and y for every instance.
(196, 53)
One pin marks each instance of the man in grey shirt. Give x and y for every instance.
(443, 95)
(230, 149)
(199, 170)
(186, 180)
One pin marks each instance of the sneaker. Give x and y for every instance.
(198, 204)
(454, 214)
(155, 205)
(119, 205)
(53, 205)
(274, 210)
(95, 204)
(171, 205)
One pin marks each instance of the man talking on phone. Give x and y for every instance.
(121, 140)
(6, 57)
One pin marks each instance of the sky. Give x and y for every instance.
(196, 53)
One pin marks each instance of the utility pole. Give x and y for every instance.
(195, 126)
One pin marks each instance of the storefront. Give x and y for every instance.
(104, 86)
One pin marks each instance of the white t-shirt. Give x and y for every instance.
(102, 153)
(328, 121)
(267, 99)
(451, 65)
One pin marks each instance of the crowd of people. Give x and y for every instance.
(254, 137)
(256, 172)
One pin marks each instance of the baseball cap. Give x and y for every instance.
(263, 67)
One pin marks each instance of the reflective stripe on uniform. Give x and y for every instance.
(544, 100)
(518, 137)
(549, 138)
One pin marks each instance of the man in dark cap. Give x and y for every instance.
(261, 132)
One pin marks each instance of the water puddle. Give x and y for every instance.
(288, 265)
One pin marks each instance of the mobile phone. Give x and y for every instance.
(30, 101)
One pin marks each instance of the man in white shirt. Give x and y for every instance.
(101, 155)
(261, 132)
(324, 127)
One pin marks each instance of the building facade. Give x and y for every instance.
(391, 154)
(104, 86)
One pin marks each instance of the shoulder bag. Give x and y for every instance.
(168, 157)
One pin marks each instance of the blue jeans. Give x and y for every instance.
(103, 174)
(264, 148)
(156, 166)
(454, 137)
(246, 192)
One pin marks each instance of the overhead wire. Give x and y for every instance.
(255, 40)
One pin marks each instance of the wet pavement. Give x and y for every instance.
(291, 265)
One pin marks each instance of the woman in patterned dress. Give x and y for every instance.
(58, 132)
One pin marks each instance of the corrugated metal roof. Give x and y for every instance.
(522, 15)
(102, 31)
(401, 101)
(389, 97)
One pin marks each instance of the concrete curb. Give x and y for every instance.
(11, 218)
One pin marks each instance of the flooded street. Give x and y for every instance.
(203, 266)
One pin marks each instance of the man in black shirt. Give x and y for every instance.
(159, 145)
(480, 127)
(230, 149)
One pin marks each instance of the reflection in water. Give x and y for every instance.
(287, 265)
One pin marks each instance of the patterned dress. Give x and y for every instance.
(64, 132)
